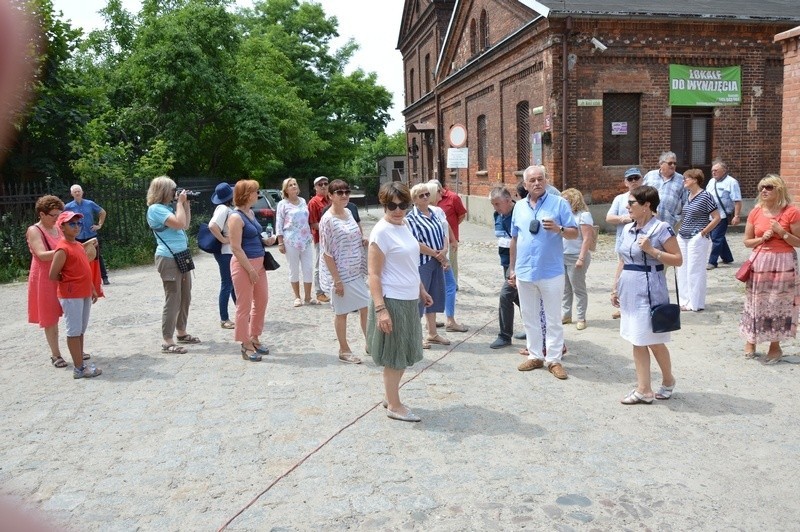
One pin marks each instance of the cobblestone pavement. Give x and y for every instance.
(300, 442)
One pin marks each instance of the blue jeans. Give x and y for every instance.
(719, 244)
(449, 293)
(225, 285)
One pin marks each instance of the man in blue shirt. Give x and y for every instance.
(536, 267)
(669, 185)
(726, 192)
(89, 210)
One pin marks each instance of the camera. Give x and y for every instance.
(179, 191)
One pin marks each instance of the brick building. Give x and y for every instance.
(790, 133)
(591, 87)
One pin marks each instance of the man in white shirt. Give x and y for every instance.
(725, 191)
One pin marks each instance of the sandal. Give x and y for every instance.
(426, 344)
(58, 362)
(750, 355)
(636, 398)
(188, 339)
(86, 356)
(438, 339)
(665, 392)
(298, 302)
(769, 361)
(174, 349)
(349, 358)
(457, 327)
(260, 349)
(312, 301)
(249, 354)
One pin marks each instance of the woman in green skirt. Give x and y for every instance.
(393, 327)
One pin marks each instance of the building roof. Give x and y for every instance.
(746, 10)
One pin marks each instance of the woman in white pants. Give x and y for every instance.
(700, 216)
(294, 240)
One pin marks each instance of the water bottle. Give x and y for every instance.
(269, 231)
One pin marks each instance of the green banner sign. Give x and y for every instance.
(705, 86)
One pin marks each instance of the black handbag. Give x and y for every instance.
(183, 259)
(270, 264)
(667, 316)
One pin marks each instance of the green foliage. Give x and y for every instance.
(363, 168)
(14, 254)
(60, 106)
(195, 88)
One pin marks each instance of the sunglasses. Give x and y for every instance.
(633, 178)
(766, 187)
(342, 192)
(424, 195)
(632, 202)
(392, 206)
(534, 227)
(74, 224)
(322, 184)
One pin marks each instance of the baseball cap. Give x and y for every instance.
(633, 171)
(320, 178)
(67, 216)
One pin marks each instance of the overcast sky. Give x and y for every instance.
(374, 24)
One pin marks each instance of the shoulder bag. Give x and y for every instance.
(744, 271)
(667, 316)
(182, 258)
(207, 241)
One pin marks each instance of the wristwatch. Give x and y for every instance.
(562, 229)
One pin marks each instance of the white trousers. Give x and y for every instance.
(546, 292)
(692, 274)
(300, 260)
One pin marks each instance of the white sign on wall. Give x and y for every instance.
(457, 157)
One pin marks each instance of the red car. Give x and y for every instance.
(264, 210)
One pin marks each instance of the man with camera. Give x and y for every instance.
(536, 267)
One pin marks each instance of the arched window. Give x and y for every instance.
(523, 136)
(428, 73)
(484, 30)
(411, 86)
(483, 143)
(473, 37)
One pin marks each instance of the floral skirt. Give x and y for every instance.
(772, 299)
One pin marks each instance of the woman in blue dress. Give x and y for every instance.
(646, 246)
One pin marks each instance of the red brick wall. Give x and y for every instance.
(790, 140)
(637, 60)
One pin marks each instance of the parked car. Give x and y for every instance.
(264, 209)
(275, 194)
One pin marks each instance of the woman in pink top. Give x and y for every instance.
(773, 230)
(43, 306)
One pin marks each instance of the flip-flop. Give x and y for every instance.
(58, 362)
(87, 356)
(188, 339)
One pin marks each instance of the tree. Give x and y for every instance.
(59, 105)
(362, 170)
